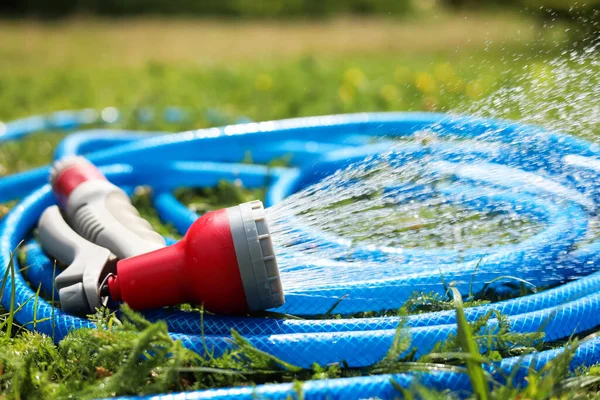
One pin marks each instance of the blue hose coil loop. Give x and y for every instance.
(320, 145)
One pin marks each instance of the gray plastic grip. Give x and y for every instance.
(87, 264)
(255, 256)
(102, 213)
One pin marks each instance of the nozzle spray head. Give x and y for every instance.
(225, 261)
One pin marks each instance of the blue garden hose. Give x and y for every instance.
(552, 189)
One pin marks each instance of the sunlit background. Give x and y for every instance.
(173, 65)
(273, 59)
(234, 60)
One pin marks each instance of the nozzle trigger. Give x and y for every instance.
(87, 263)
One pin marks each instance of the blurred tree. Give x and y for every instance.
(481, 3)
(585, 15)
(238, 8)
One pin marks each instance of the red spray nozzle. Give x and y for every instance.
(225, 261)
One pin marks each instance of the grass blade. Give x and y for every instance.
(11, 312)
(53, 305)
(476, 374)
(35, 305)
(334, 306)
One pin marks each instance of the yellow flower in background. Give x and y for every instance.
(444, 72)
(263, 82)
(475, 89)
(346, 93)
(425, 82)
(389, 93)
(355, 77)
(402, 74)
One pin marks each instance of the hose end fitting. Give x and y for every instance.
(112, 288)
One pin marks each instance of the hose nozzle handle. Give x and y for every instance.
(87, 264)
(100, 211)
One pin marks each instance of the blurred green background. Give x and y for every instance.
(272, 8)
(227, 60)
(268, 59)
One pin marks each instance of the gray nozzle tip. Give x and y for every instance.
(255, 255)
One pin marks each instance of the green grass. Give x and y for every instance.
(129, 355)
(403, 66)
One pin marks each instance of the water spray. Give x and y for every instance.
(225, 261)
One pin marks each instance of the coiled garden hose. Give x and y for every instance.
(555, 195)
